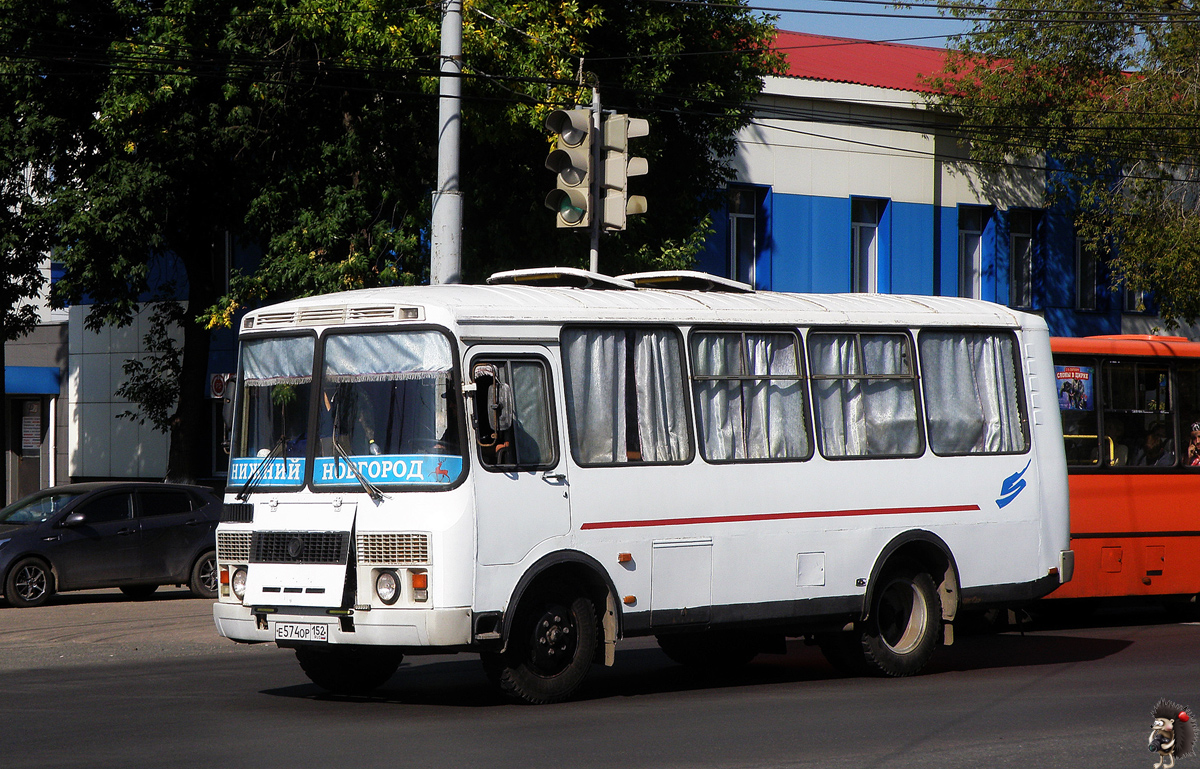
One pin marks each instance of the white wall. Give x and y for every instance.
(100, 445)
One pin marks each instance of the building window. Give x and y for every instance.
(864, 244)
(1086, 272)
(1135, 300)
(743, 228)
(970, 250)
(1020, 240)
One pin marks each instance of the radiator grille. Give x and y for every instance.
(299, 547)
(393, 549)
(233, 546)
(237, 512)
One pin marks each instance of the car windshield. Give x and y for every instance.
(273, 405)
(36, 508)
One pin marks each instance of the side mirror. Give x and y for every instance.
(74, 519)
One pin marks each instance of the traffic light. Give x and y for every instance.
(619, 166)
(571, 159)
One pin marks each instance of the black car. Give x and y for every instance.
(135, 536)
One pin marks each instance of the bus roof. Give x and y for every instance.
(1127, 344)
(502, 304)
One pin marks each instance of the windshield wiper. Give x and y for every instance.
(371, 489)
(260, 471)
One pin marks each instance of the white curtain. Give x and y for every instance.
(596, 362)
(595, 389)
(277, 360)
(750, 415)
(971, 392)
(858, 416)
(386, 357)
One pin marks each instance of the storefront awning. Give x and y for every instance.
(31, 380)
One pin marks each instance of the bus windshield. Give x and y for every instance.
(386, 405)
(276, 387)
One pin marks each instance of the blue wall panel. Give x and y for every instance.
(948, 272)
(912, 249)
(791, 243)
(830, 239)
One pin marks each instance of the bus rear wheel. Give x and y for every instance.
(901, 634)
(349, 670)
(550, 649)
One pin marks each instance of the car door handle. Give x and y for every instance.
(126, 532)
(193, 522)
(555, 478)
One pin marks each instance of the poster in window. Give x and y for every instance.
(1075, 387)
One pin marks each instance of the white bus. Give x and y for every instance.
(534, 469)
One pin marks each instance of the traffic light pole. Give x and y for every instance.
(446, 256)
(597, 182)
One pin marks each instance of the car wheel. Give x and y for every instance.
(30, 583)
(553, 642)
(349, 670)
(903, 631)
(203, 582)
(139, 592)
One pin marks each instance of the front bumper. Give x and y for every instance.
(378, 627)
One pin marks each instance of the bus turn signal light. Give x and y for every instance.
(420, 584)
(624, 557)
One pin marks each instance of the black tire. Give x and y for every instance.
(904, 626)
(203, 582)
(139, 592)
(711, 650)
(30, 583)
(349, 670)
(553, 642)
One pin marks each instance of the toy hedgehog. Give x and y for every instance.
(1173, 733)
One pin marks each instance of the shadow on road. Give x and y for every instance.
(86, 597)
(460, 682)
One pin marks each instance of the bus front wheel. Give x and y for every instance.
(550, 649)
(348, 670)
(901, 634)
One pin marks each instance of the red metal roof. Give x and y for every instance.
(862, 62)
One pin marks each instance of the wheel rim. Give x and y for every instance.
(208, 574)
(902, 616)
(553, 647)
(30, 583)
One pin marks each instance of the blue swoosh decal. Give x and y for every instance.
(1012, 486)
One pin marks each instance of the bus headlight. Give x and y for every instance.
(387, 587)
(238, 583)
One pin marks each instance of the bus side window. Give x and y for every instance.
(513, 424)
(1139, 418)
(1077, 389)
(625, 396)
(1187, 393)
(864, 389)
(749, 392)
(973, 400)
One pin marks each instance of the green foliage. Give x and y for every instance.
(1111, 93)
(308, 129)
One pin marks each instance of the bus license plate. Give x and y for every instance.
(291, 631)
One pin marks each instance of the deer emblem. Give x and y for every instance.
(439, 473)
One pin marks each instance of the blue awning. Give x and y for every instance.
(31, 380)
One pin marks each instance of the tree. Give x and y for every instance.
(1106, 94)
(308, 129)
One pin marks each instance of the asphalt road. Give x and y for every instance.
(97, 681)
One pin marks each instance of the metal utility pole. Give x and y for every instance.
(446, 263)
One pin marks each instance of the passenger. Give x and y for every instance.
(1193, 455)
(1157, 451)
(1114, 431)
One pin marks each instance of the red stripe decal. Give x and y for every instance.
(779, 516)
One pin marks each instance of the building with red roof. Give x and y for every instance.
(845, 180)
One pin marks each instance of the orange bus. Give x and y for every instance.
(1130, 410)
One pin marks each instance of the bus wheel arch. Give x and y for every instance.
(560, 620)
(911, 597)
(922, 550)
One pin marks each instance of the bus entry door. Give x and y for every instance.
(521, 488)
